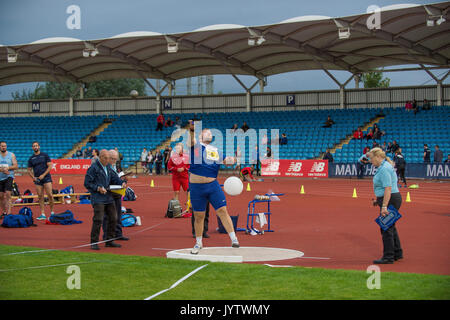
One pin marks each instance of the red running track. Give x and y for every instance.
(333, 229)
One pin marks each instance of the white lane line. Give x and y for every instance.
(83, 245)
(176, 283)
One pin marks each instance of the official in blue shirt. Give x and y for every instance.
(205, 162)
(387, 193)
(98, 178)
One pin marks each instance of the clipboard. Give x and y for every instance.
(117, 189)
(387, 221)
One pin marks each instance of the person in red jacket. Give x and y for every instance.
(160, 122)
(358, 134)
(246, 174)
(179, 167)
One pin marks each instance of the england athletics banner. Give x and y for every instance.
(295, 168)
(70, 166)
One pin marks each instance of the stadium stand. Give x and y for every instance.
(307, 138)
(411, 131)
(56, 135)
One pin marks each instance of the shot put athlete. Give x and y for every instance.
(205, 164)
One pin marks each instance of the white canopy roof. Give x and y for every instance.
(302, 43)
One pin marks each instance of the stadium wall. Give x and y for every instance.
(273, 101)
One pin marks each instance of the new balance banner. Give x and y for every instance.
(294, 168)
(70, 166)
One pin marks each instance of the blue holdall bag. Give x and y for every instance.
(22, 220)
(128, 220)
(65, 218)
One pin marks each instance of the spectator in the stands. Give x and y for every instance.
(119, 161)
(426, 154)
(375, 144)
(88, 153)
(144, 155)
(369, 135)
(93, 139)
(79, 153)
(95, 155)
(415, 107)
(389, 147)
(408, 106)
(384, 147)
(377, 132)
(426, 105)
(358, 134)
(150, 162)
(169, 122)
(166, 156)
(366, 149)
(447, 161)
(283, 139)
(394, 146)
(245, 126)
(328, 156)
(234, 128)
(160, 122)
(328, 123)
(178, 123)
(159, 161)
(438, 154)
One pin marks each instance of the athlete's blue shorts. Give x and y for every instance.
(47, 179)
(201, 193)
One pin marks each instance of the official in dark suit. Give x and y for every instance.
(98, 178)
(113, 158)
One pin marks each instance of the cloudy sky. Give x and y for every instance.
(24, 21)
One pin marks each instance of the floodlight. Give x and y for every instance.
(94, 52)
(172, 44)
(435, 16)
(172, 47)
(256, 38)
(344, 33)
(89, 50)
(12, 58)
(343, 29)
(12, 55)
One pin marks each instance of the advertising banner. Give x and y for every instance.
(70, 166)
(295, 168)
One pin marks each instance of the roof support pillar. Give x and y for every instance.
(157, 93)
(438, 83)
(342, 86)
(248, 91)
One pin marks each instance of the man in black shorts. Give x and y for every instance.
(8, 164)
(39, 167)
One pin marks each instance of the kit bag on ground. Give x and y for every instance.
(28, 193)
(22, 220)
(64, 218)
(128, 220)
(129, 195)
(174, 209)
